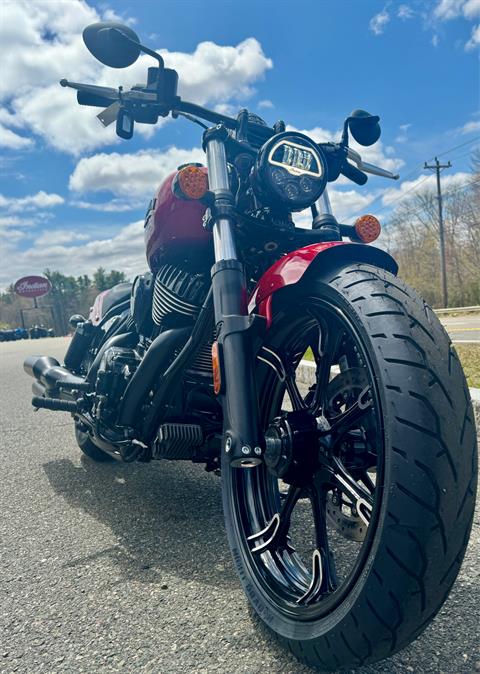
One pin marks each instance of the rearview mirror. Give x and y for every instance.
(113, 44)
(364, 127)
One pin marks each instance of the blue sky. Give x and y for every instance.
(72, 195)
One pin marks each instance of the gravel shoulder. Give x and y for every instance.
(113, 568)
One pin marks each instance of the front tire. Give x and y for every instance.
(424, 485)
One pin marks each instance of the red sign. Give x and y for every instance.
(32, 286)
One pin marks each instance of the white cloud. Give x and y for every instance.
(124, 250)
(42, 42)
(139, 173)
(446, 10)
(15, 221)
(9, 237)
(58, 236)
(12, 140)
(33, 201)
(266, 103)
(471, 9)
(403, 135)
(392, 196)
(379, 21)
(469, 127)
(405, 12)
(474, 40)
(113, 206)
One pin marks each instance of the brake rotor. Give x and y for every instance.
(343, 390)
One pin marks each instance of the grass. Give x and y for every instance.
(469, 355)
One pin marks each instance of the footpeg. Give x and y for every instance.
(55, 404)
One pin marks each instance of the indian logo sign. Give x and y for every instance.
(32, 286)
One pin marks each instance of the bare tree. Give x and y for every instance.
(412, 237)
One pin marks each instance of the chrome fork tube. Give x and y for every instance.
(223, 240)
(323, 204)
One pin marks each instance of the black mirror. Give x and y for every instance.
(113, 44)
(125, 124)
(364, 127)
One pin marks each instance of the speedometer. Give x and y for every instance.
(290, 172)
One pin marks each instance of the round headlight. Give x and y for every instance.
(290, 172)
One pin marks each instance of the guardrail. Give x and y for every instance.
(458, 310)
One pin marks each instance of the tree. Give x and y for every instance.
(413, 239)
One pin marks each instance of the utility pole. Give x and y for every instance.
(437, 167)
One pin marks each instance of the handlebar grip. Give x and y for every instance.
(86, 98)
(353, 173)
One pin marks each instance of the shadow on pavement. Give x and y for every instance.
(167, 518)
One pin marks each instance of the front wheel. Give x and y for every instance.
(349, 536)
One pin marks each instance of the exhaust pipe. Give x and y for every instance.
(48, 373)
(154, 362)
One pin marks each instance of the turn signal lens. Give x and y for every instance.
(217, 368)
(191, 182)
(367, 228)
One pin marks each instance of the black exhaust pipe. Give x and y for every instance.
(155, 361)
(50, 374)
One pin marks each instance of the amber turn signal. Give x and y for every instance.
(367, 228)
(191, 182)
(217, 368)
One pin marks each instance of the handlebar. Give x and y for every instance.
(97, 96)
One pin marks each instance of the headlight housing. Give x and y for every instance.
(290, 172)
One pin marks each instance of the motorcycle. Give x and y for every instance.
(348, 499)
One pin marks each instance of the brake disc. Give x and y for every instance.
(343, 390)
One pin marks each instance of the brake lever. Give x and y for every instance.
(370, 168)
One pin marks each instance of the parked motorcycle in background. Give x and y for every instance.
(348, 502)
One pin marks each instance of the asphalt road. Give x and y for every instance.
(126, 568)
(463, 328)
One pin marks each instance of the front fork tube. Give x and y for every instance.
(235, 327)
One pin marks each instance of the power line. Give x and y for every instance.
(459, 156)
(467, 142)
(422, 209)
(402, 196)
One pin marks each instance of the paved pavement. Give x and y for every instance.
(126, 568)
(463, 328)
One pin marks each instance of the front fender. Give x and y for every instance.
(290, 268)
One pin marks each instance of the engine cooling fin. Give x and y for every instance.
(177, 292)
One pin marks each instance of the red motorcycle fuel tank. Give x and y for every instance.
(174, 227)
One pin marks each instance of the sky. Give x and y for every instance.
(73, 195)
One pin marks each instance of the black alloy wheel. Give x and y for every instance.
(307, 512)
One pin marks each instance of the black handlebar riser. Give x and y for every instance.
(353, 173)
